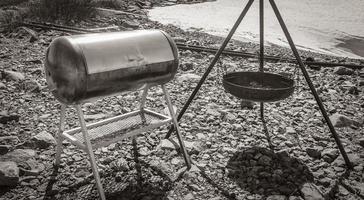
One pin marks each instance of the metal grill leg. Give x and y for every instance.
(59, 137)
(90, 152)
(175, 123)
(144, 97)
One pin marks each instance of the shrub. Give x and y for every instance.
(11, 18)
(115, 4)
(67, 10)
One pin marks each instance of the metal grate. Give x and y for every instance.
(114, 129)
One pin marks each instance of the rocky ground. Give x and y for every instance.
(236, 156)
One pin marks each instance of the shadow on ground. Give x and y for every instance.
(144, 182)
(262, 171)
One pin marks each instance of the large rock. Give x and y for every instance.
(5, 118)
(43, 140)
(311, 192)
(339, 120)
(9, 174)
(13, 76)
(343, 71)
(18, 155)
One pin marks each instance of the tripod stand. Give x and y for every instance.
(261, 59)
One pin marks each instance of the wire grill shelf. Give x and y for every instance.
(117, 128)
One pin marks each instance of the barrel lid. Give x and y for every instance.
(113, 51)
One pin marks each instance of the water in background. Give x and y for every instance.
(333, 27)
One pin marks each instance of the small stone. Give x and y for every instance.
(43, 140)
(188, 77)
(4, 149)
(215, 198)
(343, 191)
(332, 153)
(276, 197)
(265, 160)
(354, 159)
(8, 118)
(328, 159)
(319, 173)
(95, 117)
(2, 86)
(343, 71)
(175, 161)
(179, 39)
(212, 112)
(295, 198)
(32, 86)
(325, 181)
(247, 104)
(359, 168)
(186, 66)
(339, 120)
(311, 192)
(168, 144)
(45, 116)
(361, 82)
(290, 130)
(314, 152)
(200, 136)
(231, 67)
(130, 24)
(13, 76)
(9, 174)
(354, 90)
(361, 142)
(35, 168)
(76, 158)
(193, 147)
(121, 165)
(230, 117)
(188, 196)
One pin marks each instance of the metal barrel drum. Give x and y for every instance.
(82, 68)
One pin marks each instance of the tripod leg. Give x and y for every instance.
(261, 54)
(212, 64)
(175, 122)
(309, 82)
(90, 152)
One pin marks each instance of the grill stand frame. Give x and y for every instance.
(86, 145)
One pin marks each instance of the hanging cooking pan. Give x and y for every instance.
(258, 86)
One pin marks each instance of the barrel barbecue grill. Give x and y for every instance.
(82, 68)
